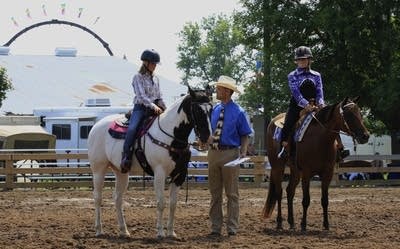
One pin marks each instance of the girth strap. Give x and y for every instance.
(166, 146)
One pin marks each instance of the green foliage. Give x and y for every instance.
(359, 55)
(356, 47)
(212, 48)
(375, 125)
(5, 84)
(275, 27)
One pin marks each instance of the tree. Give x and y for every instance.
(360, 54)
(356, 47)
(275, 27)
(5, 84)
(212, 48)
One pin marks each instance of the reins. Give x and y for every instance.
(169, 135)
(177, 139)
(338, 132)
(344, 120)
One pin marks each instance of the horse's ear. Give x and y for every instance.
(209, 90)
(355, 100)
(345, 101)
(191, 92)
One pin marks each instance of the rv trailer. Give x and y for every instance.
(71, 125)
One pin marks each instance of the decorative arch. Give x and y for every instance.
(56, 21)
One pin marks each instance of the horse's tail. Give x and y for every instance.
(270, 202)
(277, 169)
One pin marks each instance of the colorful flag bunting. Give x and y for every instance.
(44, 10)
(14, 21)
(96, 20)
(28, 13)
(80, 12)
(63, 8)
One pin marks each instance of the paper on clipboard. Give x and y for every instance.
(237, 161)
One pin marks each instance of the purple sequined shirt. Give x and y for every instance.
(296, 79)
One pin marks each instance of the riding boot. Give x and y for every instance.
(126, 162)
(283, 152)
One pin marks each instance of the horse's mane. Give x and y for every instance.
(325, 114)
(177, 103)
(199, 96)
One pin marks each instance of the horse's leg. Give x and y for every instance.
(159, 185)
(98, 183)
(325, 201)
(121, 185)
(290, 192)
(173, 198)
(306, 201)
(278, 195)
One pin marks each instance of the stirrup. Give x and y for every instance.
(282, 153)
(341, 154)
(344, 153)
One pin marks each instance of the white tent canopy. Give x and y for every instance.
(49, 80)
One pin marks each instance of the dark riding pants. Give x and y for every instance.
(291, 118)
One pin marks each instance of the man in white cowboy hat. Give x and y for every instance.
(229, 141)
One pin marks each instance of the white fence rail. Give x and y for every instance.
(35, 169)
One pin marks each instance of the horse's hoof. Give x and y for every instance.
(160, 237)
(99, 234)
(125, 235)
(172, 236)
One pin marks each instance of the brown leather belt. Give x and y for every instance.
(225, 147)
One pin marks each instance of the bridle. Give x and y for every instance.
(347, 131)
(192, 120)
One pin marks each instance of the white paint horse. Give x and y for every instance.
(166, 149)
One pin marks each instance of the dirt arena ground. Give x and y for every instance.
(359, 217)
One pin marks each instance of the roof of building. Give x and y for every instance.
(10, 130)
(69, 81)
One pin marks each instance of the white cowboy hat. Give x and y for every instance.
(226, 82)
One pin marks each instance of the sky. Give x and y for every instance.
(128, 26)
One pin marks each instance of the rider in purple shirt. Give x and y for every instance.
(307, 93)
(310, 79)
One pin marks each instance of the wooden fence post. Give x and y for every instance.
(9, 174)
(335, 177)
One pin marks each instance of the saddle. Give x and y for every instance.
(300, 127)
(118, 129)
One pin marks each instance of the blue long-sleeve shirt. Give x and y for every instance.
(235, 123)
(296, 79)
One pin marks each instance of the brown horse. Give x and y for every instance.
(316, 155)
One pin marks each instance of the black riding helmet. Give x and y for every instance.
(150, 55)
(302, 52)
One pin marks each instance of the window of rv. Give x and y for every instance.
(85, 129)
(62, 131)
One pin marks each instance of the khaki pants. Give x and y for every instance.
(219, 177)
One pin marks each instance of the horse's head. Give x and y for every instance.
(198, 109)
(352, 120)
